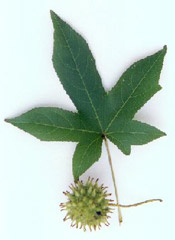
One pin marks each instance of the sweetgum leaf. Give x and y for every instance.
(100, 114)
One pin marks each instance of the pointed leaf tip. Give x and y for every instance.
(164, 134)
(8, 120)
(53, 15)
(52, 12)
(165, 47)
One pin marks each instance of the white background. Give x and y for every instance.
(33, 174)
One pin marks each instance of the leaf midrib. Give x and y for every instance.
(143, 133)
(81, 77)
(65, 128)
(117, 113)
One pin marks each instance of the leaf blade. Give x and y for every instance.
(75, 66)
(134, 132)
(87, 153)
(52, 124)
(134, 88)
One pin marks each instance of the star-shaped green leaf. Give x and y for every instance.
(100, 114)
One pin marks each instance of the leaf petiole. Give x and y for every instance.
(114, 181)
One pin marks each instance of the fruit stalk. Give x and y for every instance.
(135, 204)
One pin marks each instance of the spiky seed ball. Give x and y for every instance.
(87, 205)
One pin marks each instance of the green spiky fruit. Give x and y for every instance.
(87, 205)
